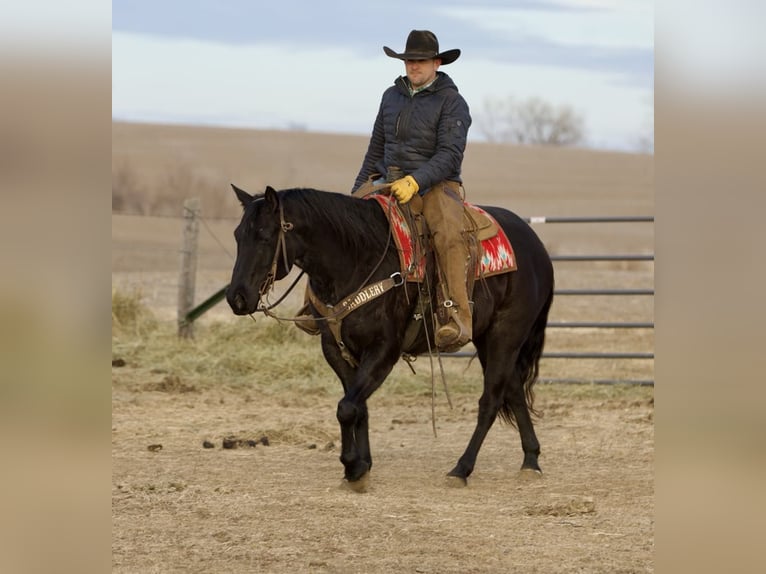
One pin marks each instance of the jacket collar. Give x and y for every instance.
(441, 81)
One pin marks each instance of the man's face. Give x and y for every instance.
(420, 72)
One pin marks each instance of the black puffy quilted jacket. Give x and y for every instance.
(424, 134)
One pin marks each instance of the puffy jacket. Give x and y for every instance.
(424, 134)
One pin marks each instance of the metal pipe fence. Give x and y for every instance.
(621, 325)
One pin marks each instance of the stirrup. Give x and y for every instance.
(458, 337)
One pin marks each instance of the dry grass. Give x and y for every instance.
(228, 351)
(130, 316)
(253, 354)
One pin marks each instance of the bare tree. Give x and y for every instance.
(127, 189)
(533, 121)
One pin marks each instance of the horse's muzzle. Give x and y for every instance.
(238, 301)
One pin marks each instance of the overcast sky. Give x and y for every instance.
(320, 66)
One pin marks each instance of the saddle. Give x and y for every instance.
(487, 243)
(488, 246)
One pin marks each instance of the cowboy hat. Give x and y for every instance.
(423, 45)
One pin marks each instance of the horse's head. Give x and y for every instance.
(262, 254)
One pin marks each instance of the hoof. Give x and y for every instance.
(456, 481)
(359, 485)
(530, 474)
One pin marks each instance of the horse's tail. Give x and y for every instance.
(528, 363)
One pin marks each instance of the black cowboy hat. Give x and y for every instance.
(423, 45)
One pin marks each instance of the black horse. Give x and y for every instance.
(339, 240)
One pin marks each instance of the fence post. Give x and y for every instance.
(188, 274)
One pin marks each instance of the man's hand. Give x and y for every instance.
(404, 188)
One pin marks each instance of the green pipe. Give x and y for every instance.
(206, 305)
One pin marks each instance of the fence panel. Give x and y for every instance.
(598, 323)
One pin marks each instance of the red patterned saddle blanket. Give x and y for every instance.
(495, 254)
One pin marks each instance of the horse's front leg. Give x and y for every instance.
(359, 384)
(355, 442)
(372, 336)
(363, 436)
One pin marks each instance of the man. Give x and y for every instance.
(417, 146)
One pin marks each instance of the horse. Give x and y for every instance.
(341, 242)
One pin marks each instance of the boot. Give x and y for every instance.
(304, 319)
(458, 329)
(456, 333)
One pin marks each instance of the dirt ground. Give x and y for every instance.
(182, 507)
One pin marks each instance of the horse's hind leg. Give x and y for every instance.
(504, 393)
(489, 405)
(488, 408)
(515, 408)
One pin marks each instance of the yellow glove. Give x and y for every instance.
(404, 188)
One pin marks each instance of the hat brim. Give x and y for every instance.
(447, 57)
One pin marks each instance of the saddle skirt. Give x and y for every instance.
(495, 255)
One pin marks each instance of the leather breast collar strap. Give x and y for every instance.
(334, 314)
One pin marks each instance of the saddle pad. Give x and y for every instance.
(495, 256)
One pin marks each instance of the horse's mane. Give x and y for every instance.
(360, 225)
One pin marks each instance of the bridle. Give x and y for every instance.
(268, 282)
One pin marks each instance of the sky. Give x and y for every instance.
(320, 66)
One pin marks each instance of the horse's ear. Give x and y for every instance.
(244, 198)
(271, 197)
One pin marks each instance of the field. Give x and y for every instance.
(181, 507)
